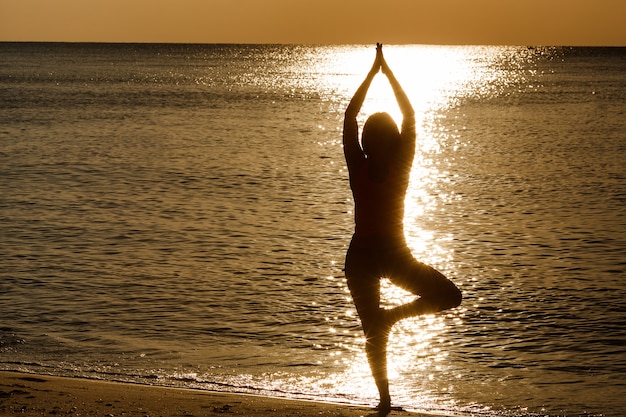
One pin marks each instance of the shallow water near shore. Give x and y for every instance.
(178, 215)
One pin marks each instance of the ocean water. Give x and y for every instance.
(178, 215)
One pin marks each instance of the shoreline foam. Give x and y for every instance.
(27, 395)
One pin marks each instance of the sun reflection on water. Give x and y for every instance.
(432, 76)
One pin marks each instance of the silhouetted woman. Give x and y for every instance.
(379, 176)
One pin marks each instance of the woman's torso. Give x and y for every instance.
(379, 202)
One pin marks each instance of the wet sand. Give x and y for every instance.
(42, 395)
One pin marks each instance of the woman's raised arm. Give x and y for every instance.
(407, 133)
(351, 148)
(403, 101)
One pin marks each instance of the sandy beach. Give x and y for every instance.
(36, 395)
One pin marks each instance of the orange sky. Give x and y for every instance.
(511, 22)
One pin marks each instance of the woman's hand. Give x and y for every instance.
(378, 60)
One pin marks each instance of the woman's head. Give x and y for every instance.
(380, 134)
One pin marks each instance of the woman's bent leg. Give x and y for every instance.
(436, 292)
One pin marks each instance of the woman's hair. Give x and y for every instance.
(380, 133)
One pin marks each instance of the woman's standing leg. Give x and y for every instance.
(376, 326)
(364, 284)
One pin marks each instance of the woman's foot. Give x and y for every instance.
(383, 408)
